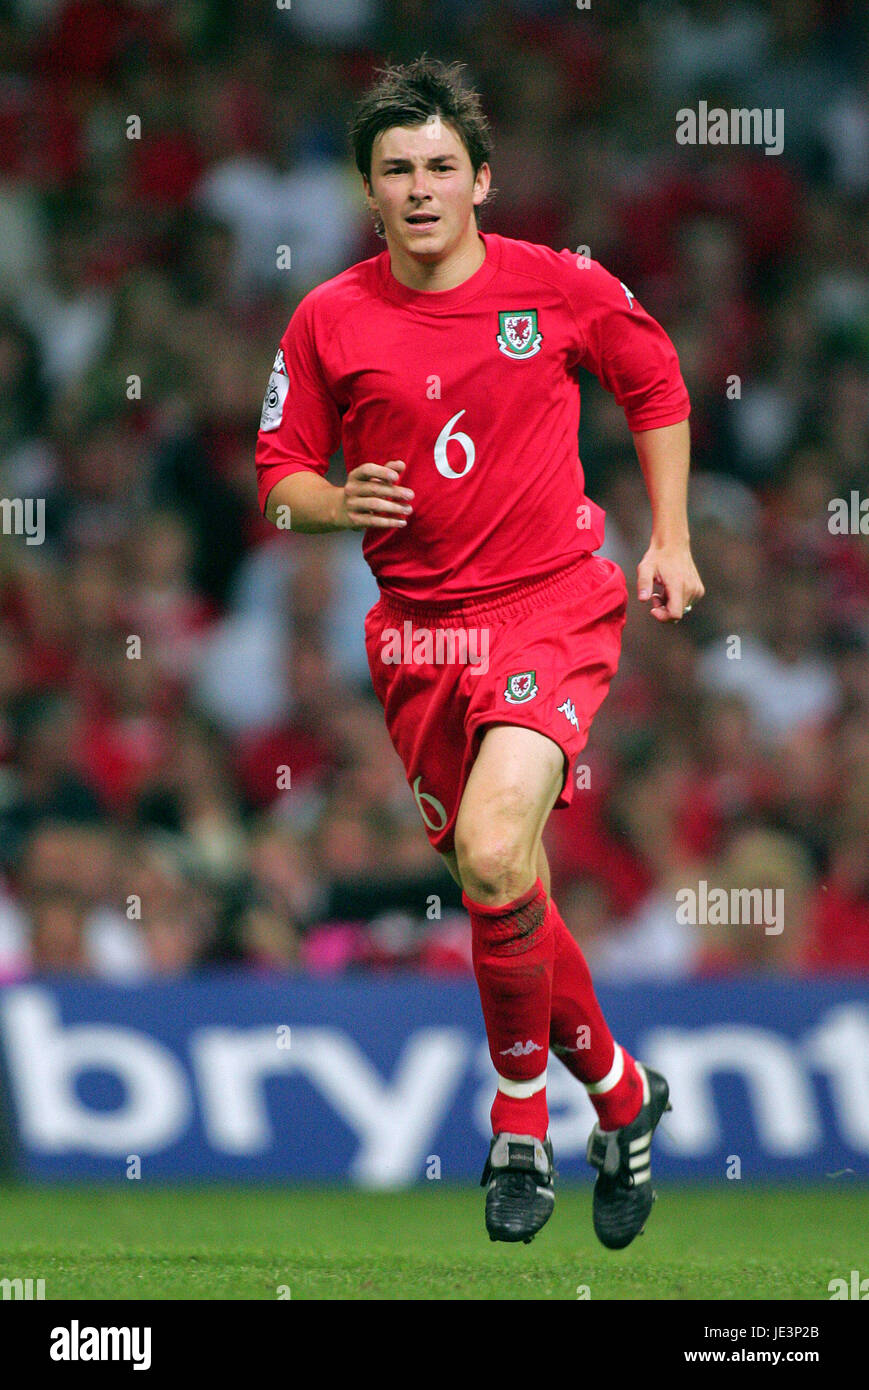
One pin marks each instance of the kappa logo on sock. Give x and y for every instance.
(520, 1049)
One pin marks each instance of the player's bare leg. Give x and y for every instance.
(534, 983)
(452, 863)
(511, 789)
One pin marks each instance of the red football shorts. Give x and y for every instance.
(542, 656)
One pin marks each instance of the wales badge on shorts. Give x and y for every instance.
(519, 336)
(521, 687)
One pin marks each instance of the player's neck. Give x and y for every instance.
(457, 267)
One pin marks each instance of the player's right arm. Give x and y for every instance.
(299, 432)
(370, 497)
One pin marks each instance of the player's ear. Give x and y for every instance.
(373, 208)
(482, 181)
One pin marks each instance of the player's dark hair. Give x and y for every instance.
(409, 95)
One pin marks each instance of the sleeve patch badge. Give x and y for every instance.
(276, 394)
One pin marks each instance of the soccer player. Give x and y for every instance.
(447, 367)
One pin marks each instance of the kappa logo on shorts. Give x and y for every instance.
(521, 687)
(567, 709)
(519, 336)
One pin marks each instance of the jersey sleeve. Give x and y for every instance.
(626, 349)
(300, 428)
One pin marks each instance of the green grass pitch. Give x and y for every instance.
(728, 1242)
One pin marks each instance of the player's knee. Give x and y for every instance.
(493, 870)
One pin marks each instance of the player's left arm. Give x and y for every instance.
(632, 357)
(667, 576)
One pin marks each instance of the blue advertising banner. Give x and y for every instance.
(381, 1082)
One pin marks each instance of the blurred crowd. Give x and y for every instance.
(193, 768)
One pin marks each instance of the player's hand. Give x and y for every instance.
(667, 578)
(371, 497)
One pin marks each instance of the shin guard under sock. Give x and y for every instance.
(512, 947)
(581, 1038)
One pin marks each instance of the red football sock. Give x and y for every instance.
(580, 1037)
(512, 949)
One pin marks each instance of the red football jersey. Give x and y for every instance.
(476, 388)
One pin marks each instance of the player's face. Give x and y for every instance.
(423, 186)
